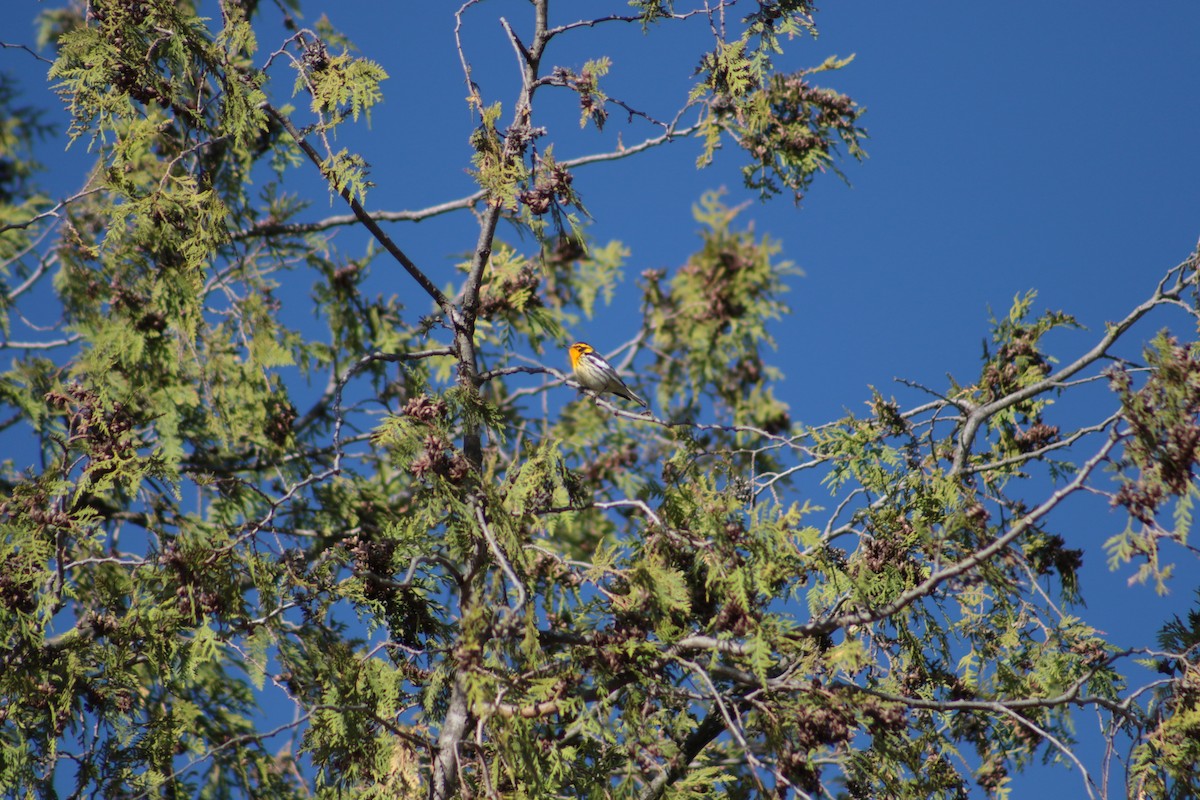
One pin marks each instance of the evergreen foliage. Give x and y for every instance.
(426, 581)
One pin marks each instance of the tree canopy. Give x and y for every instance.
(268, 530)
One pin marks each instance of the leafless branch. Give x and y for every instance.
(368, 222)
(502, 560)
(27, 49)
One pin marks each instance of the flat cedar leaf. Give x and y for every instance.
(697, 783)
(670, 589)
(257, 646)
(201, 650)
(761, 656)
(847, 656)
(968, 668)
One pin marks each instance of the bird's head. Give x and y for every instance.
(578, 351)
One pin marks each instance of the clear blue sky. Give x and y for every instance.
(1012, 146)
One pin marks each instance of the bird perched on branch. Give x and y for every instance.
(596, 374)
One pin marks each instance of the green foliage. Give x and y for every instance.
(1017, 365)
(496, 171)
(790, 129)
(587, 84)
(1162, 451)
(390, 554)
(710, 323)
(20, 200)
(341, 84)
(1162, 763)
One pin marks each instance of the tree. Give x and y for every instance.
(416, 581)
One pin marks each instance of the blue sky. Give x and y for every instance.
(1012, 146)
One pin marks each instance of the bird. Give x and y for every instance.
(596, 374)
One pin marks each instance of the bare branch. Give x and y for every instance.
(27, 49)
(341, 220)
(371, 225)
(502, 560)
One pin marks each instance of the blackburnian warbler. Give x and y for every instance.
(596, 374)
